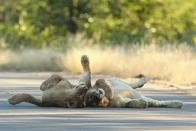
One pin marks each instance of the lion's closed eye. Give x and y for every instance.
(101, 92)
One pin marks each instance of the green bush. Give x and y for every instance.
(39, 23)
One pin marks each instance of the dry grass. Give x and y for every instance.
(168, 63)
(175, 64)
(30, 60)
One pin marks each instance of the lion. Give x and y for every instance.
(116, 93)
(59, 92)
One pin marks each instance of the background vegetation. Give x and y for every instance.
(40, 23)
(125, 38)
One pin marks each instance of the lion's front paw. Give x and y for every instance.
(16, 99)
(139, 103)
(175, 104)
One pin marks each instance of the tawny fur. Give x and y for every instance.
(59, 92)
(123, 95)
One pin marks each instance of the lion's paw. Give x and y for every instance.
(175, 104)
(81, 88)
(17, 99)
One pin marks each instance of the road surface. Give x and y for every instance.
(27, 117)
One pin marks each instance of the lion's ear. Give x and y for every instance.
(95, 87)
(101, 83)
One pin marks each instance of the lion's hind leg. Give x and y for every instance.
(86, 75)
(121, 84)
(166, 104)
(140, 83)
(51, 82)
(24, 97)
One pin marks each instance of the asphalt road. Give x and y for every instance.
(27, 117)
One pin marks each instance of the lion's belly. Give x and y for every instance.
(55, 97)
(123, 89)
(129, 93)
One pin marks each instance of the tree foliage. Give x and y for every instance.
(40, 23)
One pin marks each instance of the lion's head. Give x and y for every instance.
(99, 95)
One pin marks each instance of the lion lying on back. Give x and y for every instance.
(59, 92)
